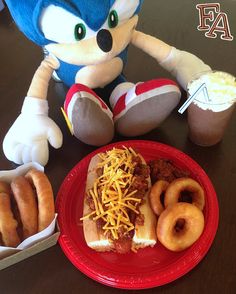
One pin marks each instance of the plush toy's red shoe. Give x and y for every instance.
(144, 106)
(90, 119)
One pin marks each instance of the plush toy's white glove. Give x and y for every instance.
(27, 139)
(184, 66)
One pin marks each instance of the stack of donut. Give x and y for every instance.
(26, 207)
(179, 208)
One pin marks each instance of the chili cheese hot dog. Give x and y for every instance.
(117, 215)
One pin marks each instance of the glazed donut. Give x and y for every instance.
(179, 226)
(191, 187)
(155, 196)
(46, 208)
(27, 205)
(8, 224)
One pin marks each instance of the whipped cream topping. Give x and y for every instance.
(221, 89)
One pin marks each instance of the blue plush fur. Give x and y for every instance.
(26, 14)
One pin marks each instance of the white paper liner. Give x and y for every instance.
(7, 176)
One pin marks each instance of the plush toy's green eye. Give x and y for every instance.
(113, 19)
(80, 31)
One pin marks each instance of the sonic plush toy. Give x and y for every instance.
(87, 44)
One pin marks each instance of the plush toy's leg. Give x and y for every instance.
(90, 117)
(138, 109)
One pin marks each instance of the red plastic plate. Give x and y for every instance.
(149, 267)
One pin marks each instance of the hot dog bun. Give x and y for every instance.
(144, 226)
(93, 238)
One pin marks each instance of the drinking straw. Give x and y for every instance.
(191, 98)
(206, 94)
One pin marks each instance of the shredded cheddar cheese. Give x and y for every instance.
(110, 191)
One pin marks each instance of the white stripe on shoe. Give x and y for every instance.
(119, 91)
(131, 99)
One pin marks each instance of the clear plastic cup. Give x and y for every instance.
(209, 115)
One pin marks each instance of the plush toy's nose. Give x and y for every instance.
(104, 40)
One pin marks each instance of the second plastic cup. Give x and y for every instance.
(209, 115)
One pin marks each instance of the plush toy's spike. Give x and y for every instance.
(139, 7)
(94, 12)
(26, 15)
(22, 12)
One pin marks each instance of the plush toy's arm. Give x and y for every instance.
(183, 65)
(39, 85)
(151, 45)
(27, 139)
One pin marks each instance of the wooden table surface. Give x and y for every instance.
(50, 271)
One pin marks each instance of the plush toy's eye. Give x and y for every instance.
(121, 11)
(113, 19)
(61, 26)
(80, 31)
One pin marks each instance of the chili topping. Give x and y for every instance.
(118, 192)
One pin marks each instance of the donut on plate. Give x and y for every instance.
(156, 196)
(179, 226)
(185, 188)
